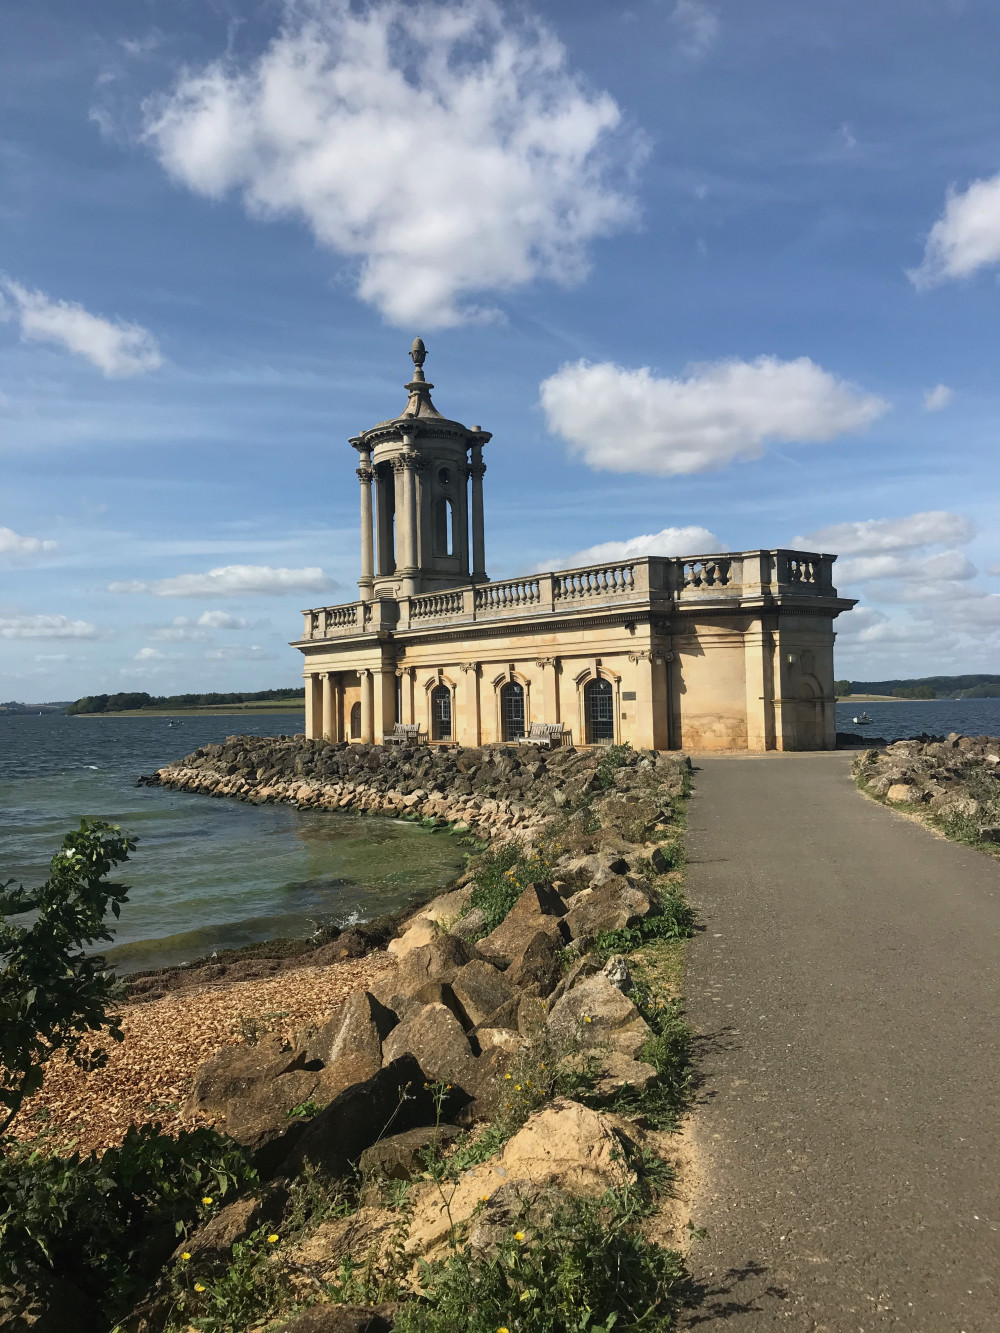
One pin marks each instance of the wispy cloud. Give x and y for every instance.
(117, 348)
(937, 398)
(626, 420)
(231, 581)
(45, 627)
(446, 147)
(697, 25)
(871, 536)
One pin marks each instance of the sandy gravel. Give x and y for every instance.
(148, 1075)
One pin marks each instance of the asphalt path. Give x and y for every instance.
(844, 986)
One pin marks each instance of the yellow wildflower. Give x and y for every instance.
(587, 1018)
(199, 1286)
(519, 1235)
(508, 1076)
(271, 1239)
(207, 1200)
(517, 1087)
(185, 1256)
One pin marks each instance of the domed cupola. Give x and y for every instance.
(421, 466)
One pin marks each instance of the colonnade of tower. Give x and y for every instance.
(421, 480)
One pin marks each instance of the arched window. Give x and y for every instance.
(512, 710)
(444, 527)
(598, 704)
(441, 713)
(356, 722)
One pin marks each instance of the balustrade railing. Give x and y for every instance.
(655, 577)
(602, 581)
(512, 593)
(434, 605)
(706, 573)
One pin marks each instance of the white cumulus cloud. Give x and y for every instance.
(231, 581)
(966, 236)
(45, 627)
(634, 421)
(669, 541)
(948, 565)
(874, 535)
(443, 145)
(938, 397)
(148, 655)
(115, 347)
(15, 547)
(697, 25)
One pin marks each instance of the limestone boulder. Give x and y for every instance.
(471, 926)
(570, 1146)
(596, 1013)
(902, 793)
(481, 988)
(536, 968)
(415, 936)
(349, 1044)
(335, 1138)
(615, 905)
(236, 1072)
(563, 1146)
(587, 965)
(538, 909)
(329, 1318)
(401, 1156)
(434, 1037)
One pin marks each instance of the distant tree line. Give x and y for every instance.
(926, 687)
(137, 699)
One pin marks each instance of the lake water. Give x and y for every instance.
(896, 721)
(207, 873)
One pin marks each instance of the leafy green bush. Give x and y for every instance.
(588, 1267)
(52, 993)
(106, 1223)
(674, 919)
(501, 876)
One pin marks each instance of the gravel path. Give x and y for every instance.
(849, 1128)
(148, 1075)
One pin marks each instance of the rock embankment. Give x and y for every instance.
(503, 1017)
(496, 791)
(953, 781)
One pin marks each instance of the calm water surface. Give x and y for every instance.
(207, 873)
(896, 721)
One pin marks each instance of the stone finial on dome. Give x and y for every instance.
(419, 404)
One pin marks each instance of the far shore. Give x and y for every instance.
(209, 710)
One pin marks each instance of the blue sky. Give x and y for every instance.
(718, 274)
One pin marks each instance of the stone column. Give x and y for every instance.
(758, 665)
(383, 702)
(406, 522)
(309, 706)
(314, 706)
(647, 720)
(367, 718)
(478, 470)
(471, 732)
(367, 579)
(329, 724)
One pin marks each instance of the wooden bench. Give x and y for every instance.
(405, 733)
(550, 734)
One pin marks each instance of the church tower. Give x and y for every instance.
(421, 493)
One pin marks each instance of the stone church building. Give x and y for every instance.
(705, 652)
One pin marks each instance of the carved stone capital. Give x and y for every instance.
(546, 661)
(405, 463)
(365, 475)
(468, 666)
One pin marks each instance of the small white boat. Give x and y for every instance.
(863, 720)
